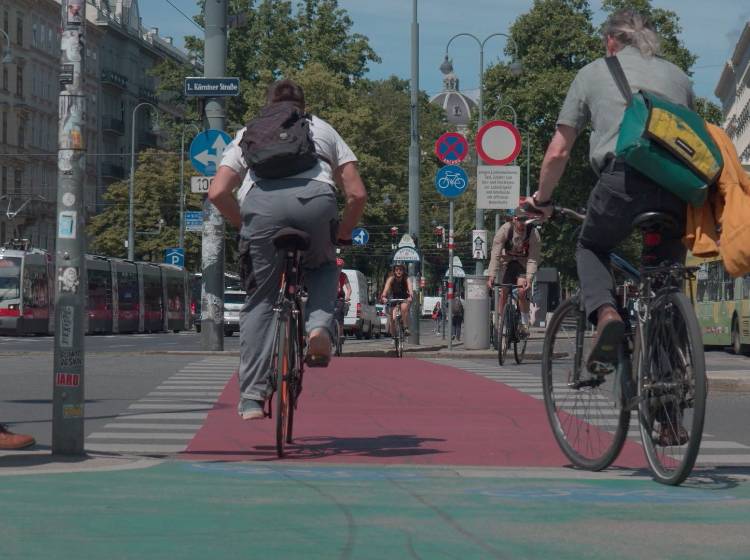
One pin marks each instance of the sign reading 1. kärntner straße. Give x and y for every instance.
(198, 86)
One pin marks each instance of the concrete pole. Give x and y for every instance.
(451, 289)
(182, 190)
(415, 311)
(68, 396)
(212, 247)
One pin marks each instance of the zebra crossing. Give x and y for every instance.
(714, 452)
(165, 420)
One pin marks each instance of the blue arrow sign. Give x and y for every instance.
(451, 181)
(175, 256)
(360, 236)
(206, 150)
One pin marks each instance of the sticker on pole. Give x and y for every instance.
(451, 148)
(451, 181)
(206, 150)
(498, 143)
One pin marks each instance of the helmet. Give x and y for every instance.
(397, 264)
(339, 262)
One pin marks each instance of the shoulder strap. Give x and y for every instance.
(615, 68)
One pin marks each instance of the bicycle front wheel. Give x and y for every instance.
(519, 342)
(671, 373)
(584, 410)
(503, 334)
(283, 367)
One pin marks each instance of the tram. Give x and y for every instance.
(122, 296)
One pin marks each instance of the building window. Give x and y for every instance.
(6, 21)
(5, 79)
(19, 30)
(17, 180)
(2, 233)
(21, 132)
(34, 34)
(3, 180)
(19, 81)
(4, 135)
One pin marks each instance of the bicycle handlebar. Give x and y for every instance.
(556, 211)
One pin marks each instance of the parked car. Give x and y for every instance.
(231, 283)
(362, 319)
(233, 302)
(428, 304)
(380, 309)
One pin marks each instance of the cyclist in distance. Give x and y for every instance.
(515, 253)
(305, 201)
(621, 193)
(397, 286)
(344, 293)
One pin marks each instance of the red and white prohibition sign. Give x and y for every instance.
(498, 143)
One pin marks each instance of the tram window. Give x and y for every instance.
(152, 293)
(715, 279)
(10, 278)
(702, 283)
(728, 286)
(127, 290)
(175, 295)
(35, 287)
(100, 289)
(746, 286)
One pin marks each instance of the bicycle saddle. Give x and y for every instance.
(656, 222)
(291, 239)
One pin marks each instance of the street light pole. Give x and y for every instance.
(131, 186)
(479, 215)
(415, 312)
(182, 185)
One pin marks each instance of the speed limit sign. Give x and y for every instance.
(200, 185)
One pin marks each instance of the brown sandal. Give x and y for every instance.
(318, 349)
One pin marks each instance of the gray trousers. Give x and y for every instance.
(306, 205)
(617, 198)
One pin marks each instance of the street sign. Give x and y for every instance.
(498, 186)
(194, 221)
(451, 181)
(198, 86)
(360, 236)
(479, 244)
(451, 148)
(200, 185)
(498, 143)
(206, 150)
(406, 254)
(175, 256)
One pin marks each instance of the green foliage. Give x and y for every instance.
(709, 110)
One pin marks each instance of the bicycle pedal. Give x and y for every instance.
(601, 368)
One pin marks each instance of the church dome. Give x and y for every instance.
(457, 106)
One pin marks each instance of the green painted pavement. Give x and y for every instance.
(186, 510)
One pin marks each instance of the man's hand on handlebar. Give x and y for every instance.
(543, 213)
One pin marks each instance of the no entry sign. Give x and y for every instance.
(451, 148)
(498, 143)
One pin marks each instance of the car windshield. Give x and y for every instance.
(234, 298)
(10, 275)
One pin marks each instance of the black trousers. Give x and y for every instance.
(619, 196)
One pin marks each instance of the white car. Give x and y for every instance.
(380, 309)
(362, 319)
(233, 302)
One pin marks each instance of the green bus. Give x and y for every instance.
(722, 304)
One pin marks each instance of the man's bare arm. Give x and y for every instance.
(221, 194)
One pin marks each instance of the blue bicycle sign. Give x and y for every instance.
(451, 181)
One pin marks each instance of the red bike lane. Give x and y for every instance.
(395, 411)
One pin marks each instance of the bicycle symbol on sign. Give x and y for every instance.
(451, 180)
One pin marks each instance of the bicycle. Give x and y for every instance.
(509, 327)
(338, 332)
(661, 371)
(399, 335)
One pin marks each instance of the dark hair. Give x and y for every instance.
(286, 90)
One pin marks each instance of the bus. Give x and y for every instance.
(121, 296)
(722, 304)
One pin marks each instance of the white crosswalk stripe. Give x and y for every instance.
(165, 420)
(712, 453)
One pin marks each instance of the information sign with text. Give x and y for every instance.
(498, 186)
(200, 185)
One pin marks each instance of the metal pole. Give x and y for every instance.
(479, 214)
(131, 189)
(415, 312)
(450, 274)
(182, 190)
(528, 159)
(212, 246)
(68, 396)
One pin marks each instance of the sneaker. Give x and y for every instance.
(406, 331)
(9, 440)
(523, 331)
(252, 410)
(610, 330)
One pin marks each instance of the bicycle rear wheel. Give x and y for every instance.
(503, 334)
(283, 366)
(399, 339)
(671, 375)
(296, 354)
(584, 410)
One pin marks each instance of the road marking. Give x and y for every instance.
(169, 416)
(714, 444)
(151, 426)
(135, 448)
(167, 406)
(139, 435)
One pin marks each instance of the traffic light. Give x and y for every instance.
(439, 236)
(394, 237)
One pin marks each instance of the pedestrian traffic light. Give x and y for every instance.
(439, 236)
(394, 238)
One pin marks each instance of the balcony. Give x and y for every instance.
(113, 125)
(113, 171)
(147, 94)
(112, 78)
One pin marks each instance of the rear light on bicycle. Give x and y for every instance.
(651, 239)
(359, 310)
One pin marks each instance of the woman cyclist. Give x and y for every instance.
(398, 287)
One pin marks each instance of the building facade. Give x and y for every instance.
(120, 52)
(733, 90)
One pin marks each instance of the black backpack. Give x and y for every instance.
(525, 247)
(278, 142)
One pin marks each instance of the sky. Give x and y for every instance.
(710, 29)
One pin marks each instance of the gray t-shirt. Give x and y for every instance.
(593, 97)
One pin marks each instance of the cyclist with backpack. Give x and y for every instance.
(515, 253)
(597, 97)
(292, 162)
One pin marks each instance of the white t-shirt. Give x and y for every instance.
(328, 143)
